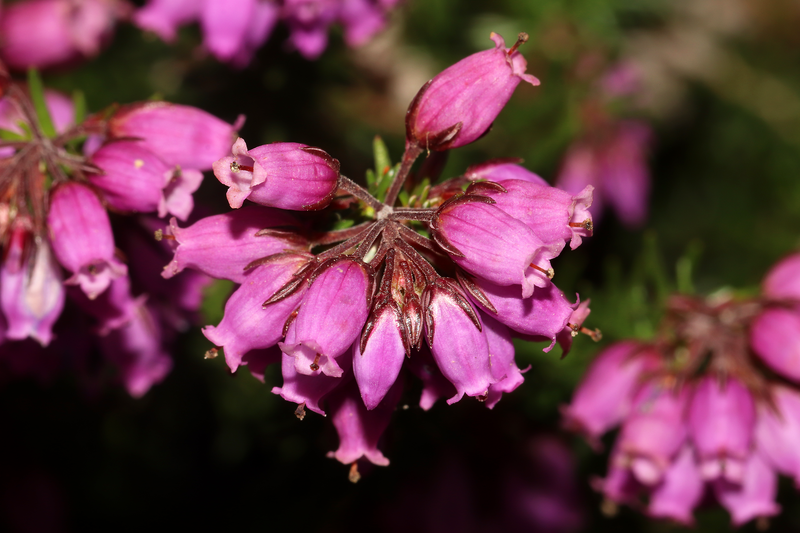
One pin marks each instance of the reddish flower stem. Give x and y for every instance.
(411, 154)
(350, 186)
(412, 214)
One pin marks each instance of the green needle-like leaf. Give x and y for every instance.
(382, 160)
(7, 135)
(79, 104)
(37, 96)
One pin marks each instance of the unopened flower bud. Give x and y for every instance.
(459, 105)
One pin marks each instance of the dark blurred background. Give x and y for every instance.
(719, 83)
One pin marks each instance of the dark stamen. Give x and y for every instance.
(236, 167)
(549, 272)
(594, 334)
(159, 235)
(315, 364)
(586, 224)
(354, 476)
(521, 39)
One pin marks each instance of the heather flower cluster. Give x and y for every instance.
(62, 183)
(711, 407)
(437, 285)
(234, 29)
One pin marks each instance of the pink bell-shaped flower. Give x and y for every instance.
(459, 105)
(755, 496)
(783, 279)
(163, 17)
(503, 169)
(778, 431)
(605, 396)
(330, 318)
(493, 245)
(361, 20)
(775, 338)
(113, 308)
(615, 163)
(619, 485)
(223, 245)
(501, 352)
(654, 431)
(31, 290)
(285, 175)
(44, 33)
(360, 429)
(555, 216)
(134, 177)
(180, 135)
(137, 350)
(721, 424)
(247, 325)
(680, 490)
(543, 316)
(307, 390)
(434, 384)
(83, 243)
(377, 368)
(458, 344)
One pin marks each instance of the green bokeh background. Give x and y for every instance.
(205, 449)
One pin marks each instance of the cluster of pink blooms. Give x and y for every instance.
(45, 33)
(439, 285)
(234, 29)
(612, 153)
(59, 253)
(710, 408)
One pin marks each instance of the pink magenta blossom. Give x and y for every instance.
(234, 30)
(458, 106)
(699, 414)
(615, 164)
(180, 135)
(83, 284)
(438, 290)
(45, 33)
